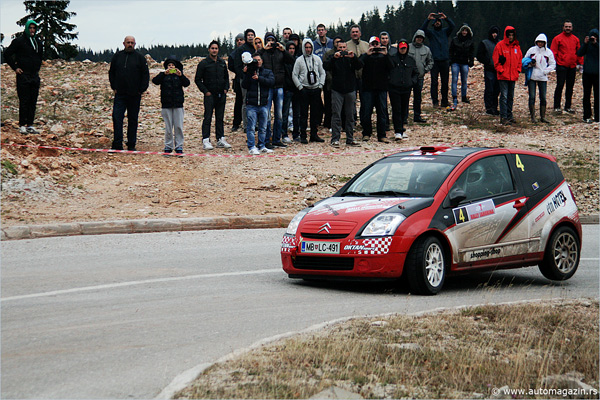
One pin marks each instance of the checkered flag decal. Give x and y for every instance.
(288, 243)
(377, 246)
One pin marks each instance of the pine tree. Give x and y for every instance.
(54, 30)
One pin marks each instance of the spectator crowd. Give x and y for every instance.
(288, 85)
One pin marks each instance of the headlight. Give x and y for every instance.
(383, 225)
(293, 226)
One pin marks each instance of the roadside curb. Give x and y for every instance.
(165, 225)
(145, 226)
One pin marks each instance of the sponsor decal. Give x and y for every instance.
(418, 158)
(474, 211)
(535, 186)
(540, 216)
(557, 201)
(487, 253)
(358, 247)
(287, 246)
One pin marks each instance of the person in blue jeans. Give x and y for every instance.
(257, 81)
(462, 51)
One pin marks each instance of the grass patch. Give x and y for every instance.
(10, 167)
(461, 354)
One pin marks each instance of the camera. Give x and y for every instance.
(593, 39)
(377, 49)
(252, 67)
(172, 71)
(343, 53)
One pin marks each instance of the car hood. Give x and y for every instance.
(344, 214)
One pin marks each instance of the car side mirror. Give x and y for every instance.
(456, 196)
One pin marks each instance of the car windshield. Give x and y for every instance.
(400, 178)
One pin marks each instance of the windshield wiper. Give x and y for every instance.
(357, 194)
(389, 193)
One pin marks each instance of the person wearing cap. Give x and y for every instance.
(589, 78)
(321, 45)
(424, 60)
(172, 81)
(376, 68)
(358, 47)
(257, 84)
(309, 77)
(484, 56)
(462, 53)
(541, 63)
(237, 80)
(438, 43)
(565, 46)
(24, 56)
(342, 66)
(507, 62)
(129, 78)
(403, 77)
(295, 38)
(212, 78)
(274, 58)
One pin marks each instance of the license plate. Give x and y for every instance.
(320, 247)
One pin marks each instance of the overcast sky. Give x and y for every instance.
(104, 24)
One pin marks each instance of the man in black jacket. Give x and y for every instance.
(237, 81)
(377, 66)
(343, 65)
(212, 78)
(484, 56)
(403, 77)
(24, 55)
(129, 78)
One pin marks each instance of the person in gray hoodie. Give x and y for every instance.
(309, 77)
(424, 59)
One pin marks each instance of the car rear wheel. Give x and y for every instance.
(426, 266)
(561, 258)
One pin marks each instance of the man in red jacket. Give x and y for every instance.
(507, 61)
(565, 46)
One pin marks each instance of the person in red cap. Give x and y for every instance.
(403, 77)
(377, 66)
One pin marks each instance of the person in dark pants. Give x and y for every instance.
(484, 56)
(237, 87)
(377, 66)
(565, 46)
(212, 79)
(589, 51)
(129, 78)
(291, 100)
(438, 43)
(403, 77)
(24, 56)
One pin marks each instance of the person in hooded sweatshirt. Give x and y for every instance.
(172, 81)
(541, 64)
(403, 77)
(24, 56)
(438, 43)
(589, 51)
(484, 56)
(309, 77)
(462, 52)
(507, 61)
(247, 47)
(424, 60)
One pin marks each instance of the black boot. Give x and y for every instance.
(315, 138)
(303, 138)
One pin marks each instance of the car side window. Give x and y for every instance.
(536, 173)
(487, 177)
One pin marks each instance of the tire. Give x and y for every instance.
(561, 257)
(426, 266)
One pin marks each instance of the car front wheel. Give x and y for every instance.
(561, 258)
(426, 266)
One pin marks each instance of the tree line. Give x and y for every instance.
(528, 17)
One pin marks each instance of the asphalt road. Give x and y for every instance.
(119, 316)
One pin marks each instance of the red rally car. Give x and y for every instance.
(435, 211)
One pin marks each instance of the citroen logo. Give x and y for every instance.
(325, 228)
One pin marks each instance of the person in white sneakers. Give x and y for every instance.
(212, 78)
(257, 82)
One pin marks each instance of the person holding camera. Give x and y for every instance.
(541, 64)
(257, 82)
(212, 78)
(376, 69)
(507, 61)
(172, 81)
(342, 65)
(565, 46)
(589, 51)
(274, 58)
(309, 77)
(438, 43)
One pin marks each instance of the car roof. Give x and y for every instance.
(444, 151)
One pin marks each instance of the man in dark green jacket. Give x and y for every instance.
(129, 78)
(24, 55)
